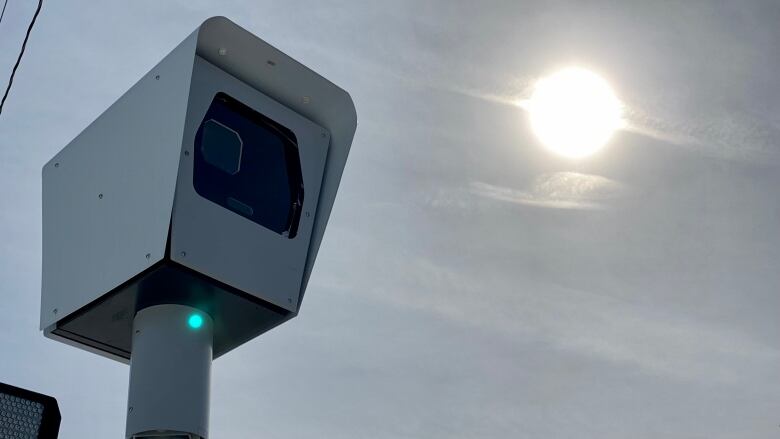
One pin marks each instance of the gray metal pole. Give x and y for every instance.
(170, 373)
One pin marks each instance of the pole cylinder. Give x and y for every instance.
(170, 373)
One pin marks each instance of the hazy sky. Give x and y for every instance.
(470, 284)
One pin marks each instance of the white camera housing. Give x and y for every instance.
(125, 224)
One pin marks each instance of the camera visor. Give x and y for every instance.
(249, 164)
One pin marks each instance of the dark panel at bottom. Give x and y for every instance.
(106, 324)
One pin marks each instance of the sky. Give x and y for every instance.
(471, 284)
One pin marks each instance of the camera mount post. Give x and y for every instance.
(170, 373)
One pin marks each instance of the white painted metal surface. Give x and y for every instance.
(223, 245)
(108, 195)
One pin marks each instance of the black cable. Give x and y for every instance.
(19, 59)
(3, 13)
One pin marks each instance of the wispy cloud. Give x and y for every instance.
(558, 190)
(632, 334)
(732, 135)
(506, 90)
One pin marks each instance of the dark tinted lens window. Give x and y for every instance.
(249, 164)
(221, 146)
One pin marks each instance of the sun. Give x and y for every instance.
(573, 112)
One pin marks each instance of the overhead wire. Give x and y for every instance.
(3, 13)
(21, 52)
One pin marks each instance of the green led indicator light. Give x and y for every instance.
(195, 321)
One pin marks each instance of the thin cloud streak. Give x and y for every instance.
(621, 332)
(558, 190)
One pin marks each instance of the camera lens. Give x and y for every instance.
(221, 147)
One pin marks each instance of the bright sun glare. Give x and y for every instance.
(574, 112)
